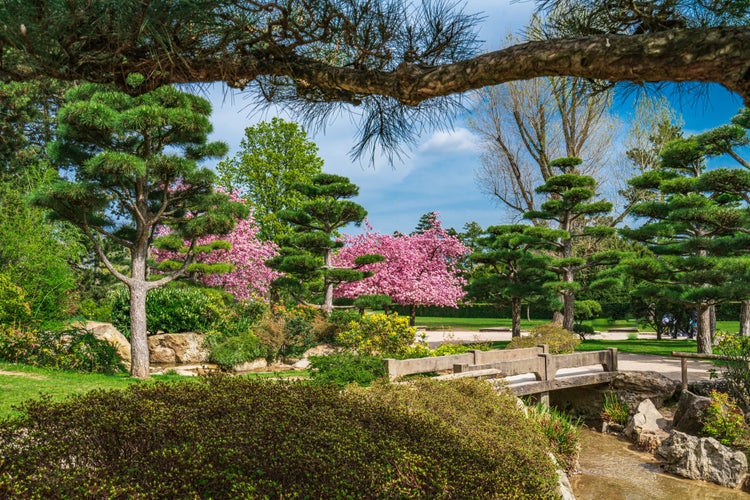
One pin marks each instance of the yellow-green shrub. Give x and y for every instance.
(559, 340)
(379, 333)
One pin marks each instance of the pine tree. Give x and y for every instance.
(128, 166)
(306, 254)
(690, 219)
(513, 270)
(571, 207)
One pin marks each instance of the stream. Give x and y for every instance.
(612, 469)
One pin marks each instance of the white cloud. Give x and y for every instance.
(459, 140)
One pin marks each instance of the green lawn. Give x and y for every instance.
(445, 323)
(22, 382)
(640, 346)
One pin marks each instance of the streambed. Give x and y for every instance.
(613, 469)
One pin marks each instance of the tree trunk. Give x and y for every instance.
(745, 318)
(412, 315)
(569, 298)
(528, 312)
(327, 286)
(139, 363)
(515, 307)
(703, 338)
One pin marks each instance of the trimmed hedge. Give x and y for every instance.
(471, 311)
(225, 437)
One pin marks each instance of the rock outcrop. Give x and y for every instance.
(647, 428)
(688, 417)
(636, 386)
(107, 331)
(703, 458)
(178, 348)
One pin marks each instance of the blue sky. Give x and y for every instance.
(438, 174)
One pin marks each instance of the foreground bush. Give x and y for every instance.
(559, 340)
(236, 438)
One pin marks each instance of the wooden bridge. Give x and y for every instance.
(550, 372)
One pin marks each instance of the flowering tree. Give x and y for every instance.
(419, 269)
(251, 276)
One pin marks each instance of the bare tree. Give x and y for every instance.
(524, 125)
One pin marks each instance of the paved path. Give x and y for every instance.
(669, 366)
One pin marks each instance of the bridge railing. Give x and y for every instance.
(510, 362)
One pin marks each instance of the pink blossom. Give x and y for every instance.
(419, 269)
(251, 277)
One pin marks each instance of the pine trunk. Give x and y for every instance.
(412, 315)
(568, 310)
(745, 318)
(703, 338)
(515, 307)
(328, 287)
(139, 367)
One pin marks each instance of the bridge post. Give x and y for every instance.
(548, 361)
(611, 366)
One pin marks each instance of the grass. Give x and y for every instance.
(640, 346)
(446, 323)
(27, 382)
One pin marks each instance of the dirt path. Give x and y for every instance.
(21, 374)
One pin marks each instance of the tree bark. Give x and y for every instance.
(745, 318)
(717, 54)
(139, 366)
(515, 321)
(703, 337)
(412, 315)
(328, 286)
(569, 298)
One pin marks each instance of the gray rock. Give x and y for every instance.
(302, 364)
(647, 428)
(703, 458)
(633, 387)
(688, 417)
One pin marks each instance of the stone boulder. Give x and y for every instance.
(688, 417)
(647, 428)
(178, 348)
(631, 388)
(107, 331)
(636, 386)
(249, 366)
(703, 458)
(321, 350)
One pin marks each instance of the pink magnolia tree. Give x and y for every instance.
(251, 277)
(419, 269)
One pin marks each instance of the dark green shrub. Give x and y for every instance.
(229, 437)
(171, 310)
(345, 368)
(327, 329)
(583, 330)
(73, 349)
(232, 351)
(559, 340)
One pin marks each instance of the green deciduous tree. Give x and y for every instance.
(129, 165)
(571, 207)
(306, 254)
(513, 270)
(273, 157)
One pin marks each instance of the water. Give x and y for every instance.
(613, 470)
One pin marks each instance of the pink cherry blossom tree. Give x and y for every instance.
(250, 277)
(419, 269)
